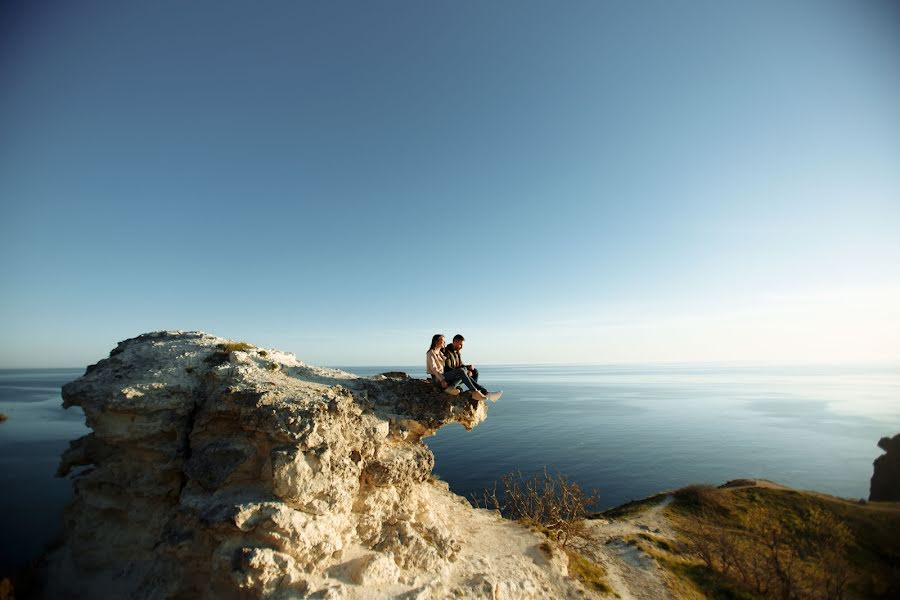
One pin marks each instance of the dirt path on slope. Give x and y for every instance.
(633, 574)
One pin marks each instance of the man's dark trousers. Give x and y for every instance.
(452, 376)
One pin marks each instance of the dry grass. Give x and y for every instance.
(223, 352)
(768, 542)
(235, 346)
(589, 573)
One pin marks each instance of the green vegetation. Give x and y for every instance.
(761, 541)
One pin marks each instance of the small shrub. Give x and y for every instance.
(189, 370)
(3, 417)
(263, 353)
(223, 351)
(235, 346)
(549, 501)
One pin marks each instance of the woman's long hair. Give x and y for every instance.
(434, 340)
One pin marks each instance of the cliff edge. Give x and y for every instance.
(221, 470)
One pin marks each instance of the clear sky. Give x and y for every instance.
(600, 181)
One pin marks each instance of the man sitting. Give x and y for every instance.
(455, 370)
(434, 364)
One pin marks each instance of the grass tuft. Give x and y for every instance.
(661, 543)
(587, 572)
(235, 346)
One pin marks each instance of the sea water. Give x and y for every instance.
(628, 431)
(631, 431)
(36, 433)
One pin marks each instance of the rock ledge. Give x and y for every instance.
(221, 470)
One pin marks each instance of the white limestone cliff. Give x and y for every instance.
(222, 470)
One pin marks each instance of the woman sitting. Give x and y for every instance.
(434, 364)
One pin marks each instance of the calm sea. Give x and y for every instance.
(628, 431)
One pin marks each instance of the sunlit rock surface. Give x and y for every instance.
(222, 470)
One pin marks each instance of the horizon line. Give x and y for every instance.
(742, 362)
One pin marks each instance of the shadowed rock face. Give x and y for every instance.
(885, 484)
(220, 472)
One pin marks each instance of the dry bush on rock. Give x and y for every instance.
(551, 502)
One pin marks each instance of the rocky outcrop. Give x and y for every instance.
(222, 470)
(885, 483)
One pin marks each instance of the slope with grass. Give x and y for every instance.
(754, 539)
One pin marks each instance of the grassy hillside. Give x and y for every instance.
(756, 539)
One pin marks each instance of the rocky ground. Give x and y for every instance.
(218, 469)
(630, 572)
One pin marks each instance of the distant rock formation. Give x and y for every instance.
(220, 470)
(885, 483)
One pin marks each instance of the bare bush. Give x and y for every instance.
(549, 501)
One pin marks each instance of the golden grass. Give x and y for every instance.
(235, 346)
(818, 532)
(589, 573)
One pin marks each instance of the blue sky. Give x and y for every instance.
(561, 182)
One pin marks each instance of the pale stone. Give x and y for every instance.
(215, 474)
(376, 569)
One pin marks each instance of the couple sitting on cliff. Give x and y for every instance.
(446, 368)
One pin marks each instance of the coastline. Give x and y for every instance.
(468, 438)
